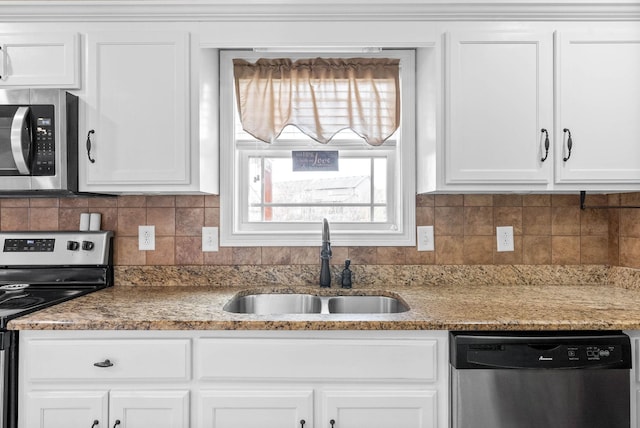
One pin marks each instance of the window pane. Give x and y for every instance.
(279, 194)
(380, 180)
(380, 214)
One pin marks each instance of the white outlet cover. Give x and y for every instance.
(146, 238)
(425, 238)
(209, 239)
(504, 237)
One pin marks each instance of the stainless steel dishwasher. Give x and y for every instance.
(540, 379)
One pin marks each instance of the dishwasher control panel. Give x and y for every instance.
(593, 352)
(533, 350)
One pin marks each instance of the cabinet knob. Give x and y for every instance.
(117, 423)
(91, 131)
(95, 423)
(332, 422)
(103, 364)
(546, 144)
(302, 422)
(569, 143)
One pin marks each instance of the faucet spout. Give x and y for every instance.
(325, 255)
(326, 235)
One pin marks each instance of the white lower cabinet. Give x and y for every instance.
(372, 407)
(383, 408)
(101, 409)
(71, 409)
(322, 379)
(104, 379)
(233, 379)
(267, 408)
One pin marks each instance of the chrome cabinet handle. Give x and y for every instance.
(117, 423)
(569, 143)
(103, 364)
(89, 145)
(546, 144)
(95, 423)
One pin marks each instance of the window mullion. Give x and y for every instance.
(372, 188)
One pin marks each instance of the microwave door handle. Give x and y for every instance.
(3, 57)
(17, 134)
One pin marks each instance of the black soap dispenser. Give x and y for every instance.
(346, 275)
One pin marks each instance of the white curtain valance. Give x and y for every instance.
(320, 96)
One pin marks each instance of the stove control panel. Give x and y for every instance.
(55, 248)
(28, 245)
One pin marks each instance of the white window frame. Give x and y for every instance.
(234, 231)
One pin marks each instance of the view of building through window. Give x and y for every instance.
(357, 192)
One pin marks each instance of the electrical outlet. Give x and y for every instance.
(425, 238)
(146, 238)
(504, 236)
(209, 239)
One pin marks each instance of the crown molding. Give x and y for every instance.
(316, 10)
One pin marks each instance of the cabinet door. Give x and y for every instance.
(144, 409)
(138, 106)
(69, 409)
(256, 409)
(599, 103)
(380, 409)
(39, 60)
(499, 96)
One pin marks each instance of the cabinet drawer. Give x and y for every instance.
(317, 359)
(154, 359)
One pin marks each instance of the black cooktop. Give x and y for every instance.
(42, 269)
(33, 298)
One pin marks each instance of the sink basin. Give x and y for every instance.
(366, 305)
(292, 303)
(270, 304)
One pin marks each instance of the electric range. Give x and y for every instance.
(38, 270)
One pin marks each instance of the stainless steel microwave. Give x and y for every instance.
(38, 142)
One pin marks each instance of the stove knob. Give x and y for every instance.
(73, 245)
(87, 245)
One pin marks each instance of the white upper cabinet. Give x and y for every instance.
(599, 103)
(43, 60)
(499, 94)
(502, 91)
(137, 113)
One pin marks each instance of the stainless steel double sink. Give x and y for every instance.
(297, 303)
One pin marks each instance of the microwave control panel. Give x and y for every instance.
(44, 148)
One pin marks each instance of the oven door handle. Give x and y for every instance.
(19, 136)
(103, 364)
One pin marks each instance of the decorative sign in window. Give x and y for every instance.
(315, 160)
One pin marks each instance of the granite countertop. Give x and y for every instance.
(442, 307)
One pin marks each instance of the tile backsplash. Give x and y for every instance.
(548, 229)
